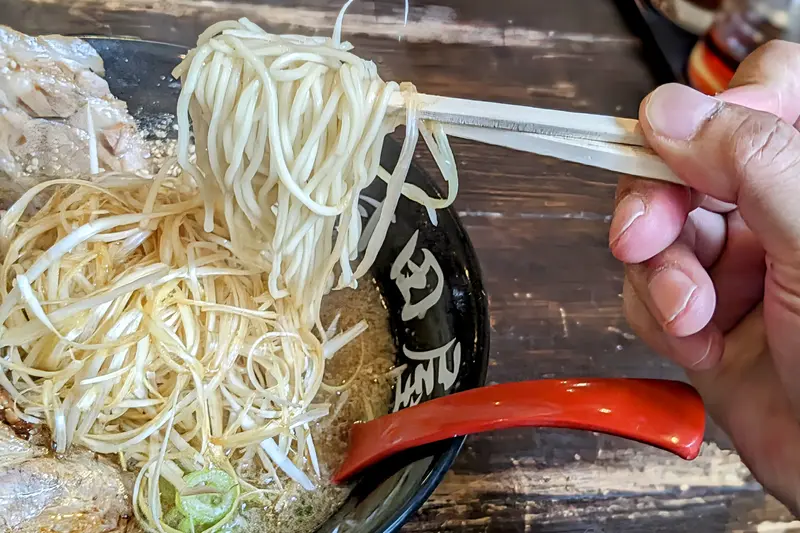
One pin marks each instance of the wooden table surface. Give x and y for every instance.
(540, 227)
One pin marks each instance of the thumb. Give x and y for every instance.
(734, 154)
(750, 158)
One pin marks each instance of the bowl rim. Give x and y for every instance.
(443, 461)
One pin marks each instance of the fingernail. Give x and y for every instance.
(696, 352)
(671, 290)
(629, 209)
(703, 360)
(676, 111)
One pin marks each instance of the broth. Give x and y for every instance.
(295, 510)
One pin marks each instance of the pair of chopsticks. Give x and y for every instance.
(612, 143)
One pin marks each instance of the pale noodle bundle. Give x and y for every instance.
(289, 130)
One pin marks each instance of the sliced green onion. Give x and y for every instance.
(173, 517)
(186, 525)
(204, 509)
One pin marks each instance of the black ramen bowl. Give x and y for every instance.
(385, 496)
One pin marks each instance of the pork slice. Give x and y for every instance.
(48, 86)
(41, 493)
(14, 449)
(73, 53)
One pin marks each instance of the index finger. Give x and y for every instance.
(648, 217)
(767, 80)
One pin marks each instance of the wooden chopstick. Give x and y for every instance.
(612, 143)
(526, 119)
(625, 159)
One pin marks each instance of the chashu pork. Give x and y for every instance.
(48, 85)
(40, 493)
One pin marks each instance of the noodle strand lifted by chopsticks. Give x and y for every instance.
(289, 131)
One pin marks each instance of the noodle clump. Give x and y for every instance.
(289, 130)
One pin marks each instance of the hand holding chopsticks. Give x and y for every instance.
(612, 143)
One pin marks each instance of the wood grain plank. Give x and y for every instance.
(540, 229)
(386, 18)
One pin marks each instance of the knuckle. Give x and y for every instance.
(648, 189)
(778, 47)
(635, 311)
(641, 322)
(769, 57)
(628, 186)
(764, 146)
(784, 276)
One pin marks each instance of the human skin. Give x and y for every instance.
(712, 270)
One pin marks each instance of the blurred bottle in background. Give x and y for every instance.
(694, 16)
(738, 28)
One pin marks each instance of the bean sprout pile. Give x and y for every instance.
(173, 320)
